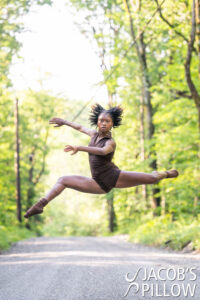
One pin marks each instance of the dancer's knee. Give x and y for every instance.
(154, 179)
(62, 180)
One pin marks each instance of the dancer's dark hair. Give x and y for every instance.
(115, 113)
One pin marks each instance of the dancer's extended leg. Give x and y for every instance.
(129, 179)
(79, 183)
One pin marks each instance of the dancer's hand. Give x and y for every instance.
(71, 148)
(59, 122)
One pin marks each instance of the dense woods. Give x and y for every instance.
(149, 54)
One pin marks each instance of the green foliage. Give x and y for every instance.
(174, 144)
(13, 233)
(163, 231)
(35, 110)
(10, 27)
(82, 218)
(176, 138)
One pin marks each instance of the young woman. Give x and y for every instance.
(105, 174)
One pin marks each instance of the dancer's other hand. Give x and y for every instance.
(58, 121)
(71, 148)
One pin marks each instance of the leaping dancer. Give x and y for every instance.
(105, 174)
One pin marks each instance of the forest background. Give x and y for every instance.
(149, 53)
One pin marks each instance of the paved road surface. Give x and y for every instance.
(95, 268)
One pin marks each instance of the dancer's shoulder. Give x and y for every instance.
(93, 133)
(88, 131)
(112, 143)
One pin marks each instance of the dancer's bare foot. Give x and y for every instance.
(36, 208)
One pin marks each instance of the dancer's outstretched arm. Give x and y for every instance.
(60, 122)
(109, 147)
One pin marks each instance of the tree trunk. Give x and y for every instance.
(142, 139)
(198, 29)
(192, 87)
(110, 195)
(30, 191)
(195, 31)
(17, 163)
(163, 203)
(111, 211)
(141, 53)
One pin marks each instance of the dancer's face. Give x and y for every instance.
(105, 122)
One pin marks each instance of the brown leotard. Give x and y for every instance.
(104, 172)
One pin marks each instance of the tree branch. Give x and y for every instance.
(173, 26)
(182, 94)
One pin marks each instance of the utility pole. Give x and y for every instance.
(17, 162)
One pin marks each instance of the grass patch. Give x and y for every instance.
(12, 234)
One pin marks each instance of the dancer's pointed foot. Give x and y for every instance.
(165, 174)
(36, 208)
(172, 174)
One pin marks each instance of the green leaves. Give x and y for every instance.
(175, 142)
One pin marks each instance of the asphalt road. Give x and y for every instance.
(95, 268)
